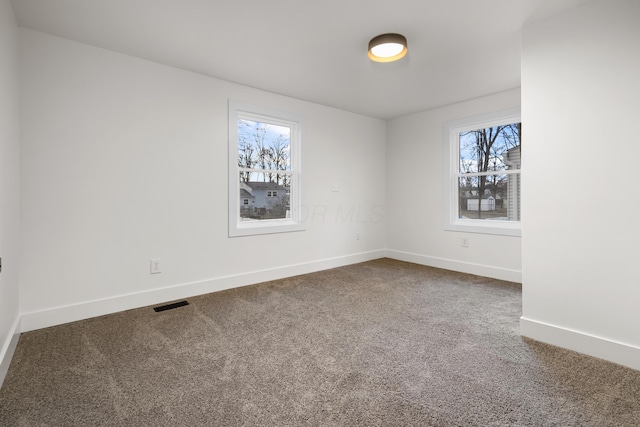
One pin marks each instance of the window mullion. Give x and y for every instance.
(488, 173)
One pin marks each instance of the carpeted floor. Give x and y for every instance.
(382, 343)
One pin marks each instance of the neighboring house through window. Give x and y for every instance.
(264, 171)
(484, 155)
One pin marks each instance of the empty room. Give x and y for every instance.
(319, 213)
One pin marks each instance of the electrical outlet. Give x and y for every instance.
(357, 236)
(335, 187)
(155, 265)
(465, 242)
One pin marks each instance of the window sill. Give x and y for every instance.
(258, 227)
(501, 228)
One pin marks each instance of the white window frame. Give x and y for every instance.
(240, 110)
(451, 133)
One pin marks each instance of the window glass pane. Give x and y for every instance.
(264, 146)
(491, 197)
(490, 149)
(267, 200)
(483, 193)
(264, 170)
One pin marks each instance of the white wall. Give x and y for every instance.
(9, 185)
(581, 105)
(415, 196)
(124, 160)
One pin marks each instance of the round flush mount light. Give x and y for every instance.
(387, 47)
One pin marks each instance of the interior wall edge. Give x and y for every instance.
(8, 348)
(456, 265)
(581, 342)
(70, 313)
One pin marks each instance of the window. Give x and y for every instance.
(484, 156)
(264, 160)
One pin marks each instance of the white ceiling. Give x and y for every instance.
(314, 50)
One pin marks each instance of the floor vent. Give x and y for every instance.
(170, 306)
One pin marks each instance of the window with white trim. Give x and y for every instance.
(482, 185)
(264, 171)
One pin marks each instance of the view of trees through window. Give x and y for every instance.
(489, 173)
(264, 161)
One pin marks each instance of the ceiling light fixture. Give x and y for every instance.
(387, 47)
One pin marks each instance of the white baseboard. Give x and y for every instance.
(70, 313)
(8, 348)
(463, 267)
(617, 352)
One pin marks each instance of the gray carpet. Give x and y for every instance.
(378, 343)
